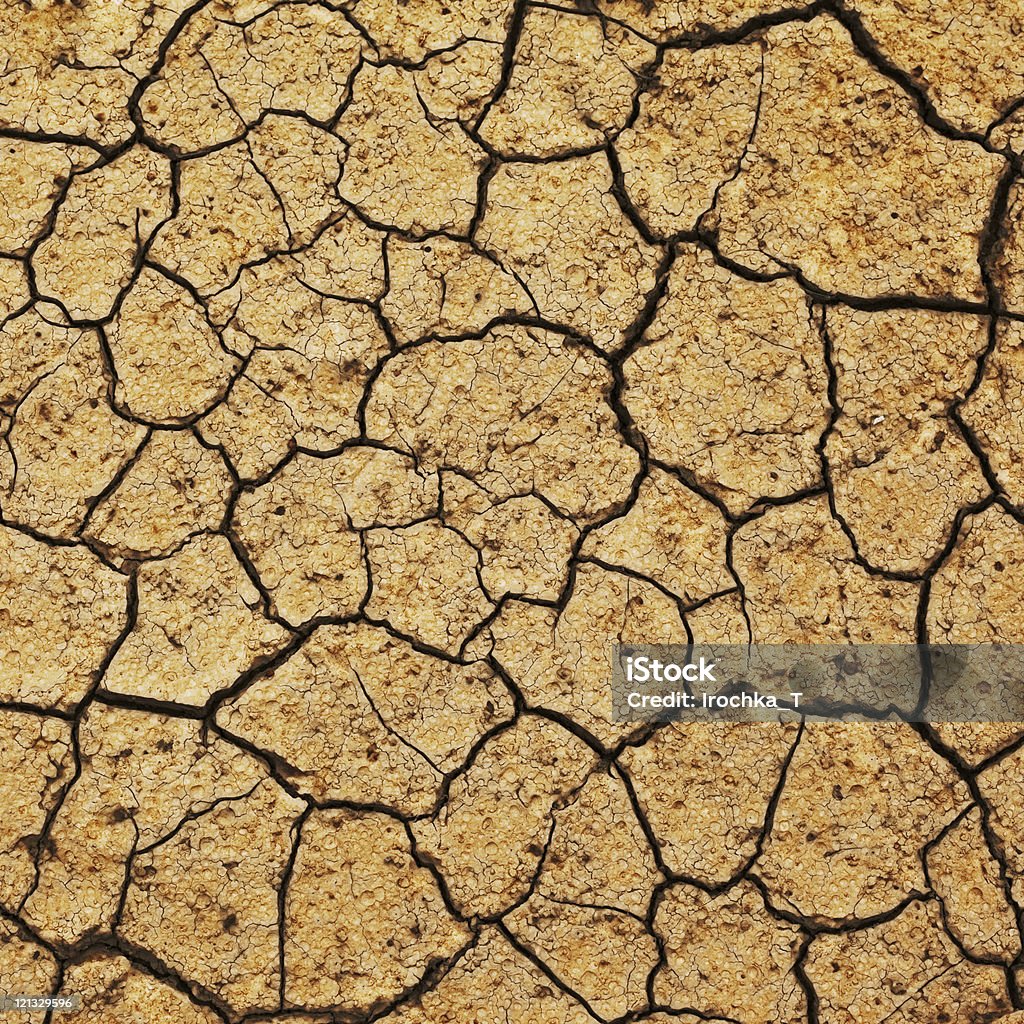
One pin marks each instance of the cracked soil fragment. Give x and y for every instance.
(60, 611)
(388, 921)
(729, 383)
(559, 227)
(358, 716)
(844, 182)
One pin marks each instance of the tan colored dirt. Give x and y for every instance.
(368, 368)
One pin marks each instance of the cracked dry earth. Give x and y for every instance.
(367, 369)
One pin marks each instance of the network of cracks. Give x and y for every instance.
(367, 370)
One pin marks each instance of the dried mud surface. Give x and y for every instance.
(368, 368)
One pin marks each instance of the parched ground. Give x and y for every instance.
(367, 369)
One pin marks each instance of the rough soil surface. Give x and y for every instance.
(367, 369)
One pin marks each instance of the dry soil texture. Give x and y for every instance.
(368, 368)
